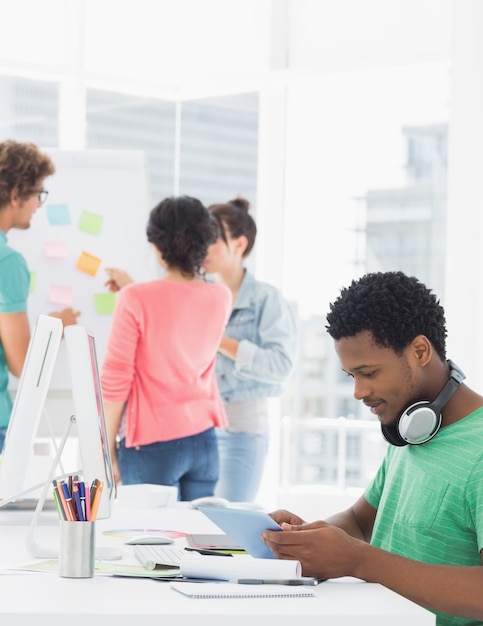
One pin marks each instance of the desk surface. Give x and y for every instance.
(55, 601)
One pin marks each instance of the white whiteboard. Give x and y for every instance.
(110, 189)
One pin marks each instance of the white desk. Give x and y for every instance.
(48, 600)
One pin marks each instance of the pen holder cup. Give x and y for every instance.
(77, 549)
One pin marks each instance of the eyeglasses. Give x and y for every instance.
(42, 194)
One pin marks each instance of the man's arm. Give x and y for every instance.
(357, 521)
(327, 551)
(15, 337)
(454, 590)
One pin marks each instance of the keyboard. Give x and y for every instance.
(152, 556)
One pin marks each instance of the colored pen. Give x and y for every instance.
(82, 495)
(77, 503)
(58, 506)
(97, 499)
(60, 499)
(94, 486)
(70, 510)
(88, 503)
(289, 581)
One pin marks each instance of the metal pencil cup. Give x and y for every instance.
(77, 549)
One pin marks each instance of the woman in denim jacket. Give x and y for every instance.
(255, 357)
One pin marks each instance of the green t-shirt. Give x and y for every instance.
(14, 290)
(429, 500)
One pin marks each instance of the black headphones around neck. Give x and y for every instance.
(420, 422)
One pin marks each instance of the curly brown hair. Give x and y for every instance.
(182, 229)
(393, 307)
(22, 167)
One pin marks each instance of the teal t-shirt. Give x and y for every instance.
(14, 290)
(429, 500)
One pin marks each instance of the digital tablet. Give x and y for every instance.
(243, 526)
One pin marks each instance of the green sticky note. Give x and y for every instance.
(91, 223)
(33, 281)
(104, 303)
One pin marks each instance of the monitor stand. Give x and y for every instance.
(104, 553)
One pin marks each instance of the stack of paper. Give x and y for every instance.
(230, 567)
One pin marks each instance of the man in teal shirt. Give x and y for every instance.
(23, 169)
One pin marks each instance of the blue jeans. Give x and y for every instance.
(189, 463)
(242, 458)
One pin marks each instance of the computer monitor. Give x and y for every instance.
(29, 403)
(27, 408)
(89, 413)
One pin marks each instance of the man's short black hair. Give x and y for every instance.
(393, 307)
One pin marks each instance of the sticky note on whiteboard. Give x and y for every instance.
(104, 303)
(58, 214)
(91, 223)
(88, 263)
(60, 294)
(55, 249)
(33, 281)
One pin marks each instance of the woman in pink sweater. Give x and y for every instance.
(158, 378)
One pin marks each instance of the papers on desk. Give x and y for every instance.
(103, 568)
(197, 566)
(227, 590)
(236, 566)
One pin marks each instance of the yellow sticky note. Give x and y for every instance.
(33, 281)
(88, 263)
(104, 303)
(91, 222)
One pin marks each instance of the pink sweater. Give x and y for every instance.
(161, 358)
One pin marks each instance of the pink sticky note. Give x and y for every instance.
(55, 249)
(61, 294)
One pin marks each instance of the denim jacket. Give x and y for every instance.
(264, 324)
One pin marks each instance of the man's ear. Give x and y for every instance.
(422, 350)
(14, 196)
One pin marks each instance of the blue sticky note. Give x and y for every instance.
(58, 214)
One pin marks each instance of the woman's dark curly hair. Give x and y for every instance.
(393, 307)
(22, 167)
(182, 229)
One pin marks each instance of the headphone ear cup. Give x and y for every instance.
(392, 436)
(419, 423)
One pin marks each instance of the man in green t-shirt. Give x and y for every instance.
(23, 169)
(418, 528)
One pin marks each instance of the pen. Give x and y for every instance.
(77, 503)
(88, 503)
(96, 500)
(61, 499)
(60, 510)
(288, 581)
(82, 495)
(70, 510)
(94, 484)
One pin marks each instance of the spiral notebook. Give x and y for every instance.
(230, 590)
